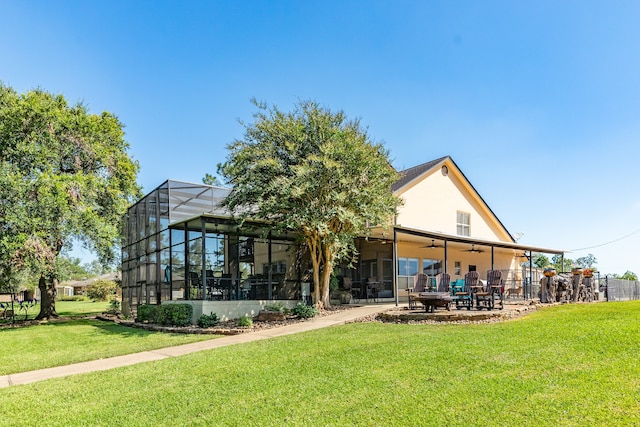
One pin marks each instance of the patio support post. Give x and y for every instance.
(531, 274)
(395, 265)
(269, 269)
(170, 268)
(203, 271)
(187, 279)
(492, 258)
(445, 257)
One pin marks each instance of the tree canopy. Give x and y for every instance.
(65, 175)
(628, 275)
(314, 172)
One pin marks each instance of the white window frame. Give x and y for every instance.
(463, 223)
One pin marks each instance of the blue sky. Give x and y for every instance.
(537, 102)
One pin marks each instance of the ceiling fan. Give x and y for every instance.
(433, 245)
(474, 250)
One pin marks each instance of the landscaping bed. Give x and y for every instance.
(230, 327)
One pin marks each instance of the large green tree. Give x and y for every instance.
(315, 172)
(66, 176)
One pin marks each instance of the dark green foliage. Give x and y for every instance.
(101, 290)
(147, 313)
(72, 298)
(208, 320)
(314, 172)
(65, 175)
(174, 314)
(304, 311)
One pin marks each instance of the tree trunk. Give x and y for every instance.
(325, 297)
(47, 298)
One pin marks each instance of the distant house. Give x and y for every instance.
(180, 245)
(78, 287)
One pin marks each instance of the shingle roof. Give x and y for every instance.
(408, 175)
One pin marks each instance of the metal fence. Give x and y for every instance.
(620, 290)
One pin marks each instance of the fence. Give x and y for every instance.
(621, 290)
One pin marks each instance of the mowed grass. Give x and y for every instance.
(572, 365)
(63, 308)
(55, 344)
(77, 308)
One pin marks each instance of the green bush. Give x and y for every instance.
(174, 314)
(304, 311)
(245, 321)
(207, 320)
(101, 290)
(114, 307)
(147, 313)
(72, 298)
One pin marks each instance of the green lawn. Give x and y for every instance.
(572, 365)
(78, 308)
(63, 308)
(55, 344)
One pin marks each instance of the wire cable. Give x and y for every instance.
(607, 243)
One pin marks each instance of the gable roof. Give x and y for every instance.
(416, 173)
(408, 175)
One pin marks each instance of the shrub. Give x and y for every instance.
(72, 298)
(334, 282)
(304, 311)
(277, 307)
(245, 321)
(174, 314)
(147, 313)
(114, 307)
(101, 290)
(208, 320)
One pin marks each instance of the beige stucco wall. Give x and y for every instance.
(432, 203)
(503, 259)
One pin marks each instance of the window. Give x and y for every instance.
(407, 266)
(463, 223)
(431, 267)
(457, 269)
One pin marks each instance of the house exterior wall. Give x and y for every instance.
(502, 259)
(432, 202)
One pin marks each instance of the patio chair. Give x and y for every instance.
(456, 286)
(464, 298)
(420, 283)
(372, 288)
(485, 297)
(347, 284)
(439, 297)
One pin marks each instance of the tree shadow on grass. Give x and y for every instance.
(102, 327)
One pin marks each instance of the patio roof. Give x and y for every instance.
(381, 232)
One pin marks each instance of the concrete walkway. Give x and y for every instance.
(339, 318)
